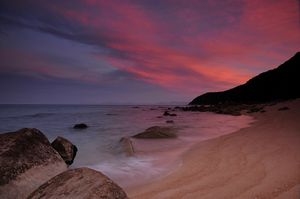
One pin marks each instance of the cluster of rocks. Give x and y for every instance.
(31, 167)
(228, 109)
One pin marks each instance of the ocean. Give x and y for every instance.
(99, 145)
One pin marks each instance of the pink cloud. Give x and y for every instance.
(190, 46)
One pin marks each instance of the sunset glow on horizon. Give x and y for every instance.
(125, 51)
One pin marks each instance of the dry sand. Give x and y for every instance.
(262, 161)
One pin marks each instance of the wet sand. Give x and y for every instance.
(261, 161)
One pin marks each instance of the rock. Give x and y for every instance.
(77, 184)
(27, 160)
(255, 109)
(127, 145)
(283, 108)
(65, 148)
(156, 132)
(80, 126)
(167, 113)
(170, 121)
(111, 114)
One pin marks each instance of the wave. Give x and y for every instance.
(36, 115)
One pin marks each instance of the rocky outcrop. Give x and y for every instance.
(127, 146)
(27, 160)
(65, 148)
(77, 184)
(80, 126)
(227, 109)
(281, 83)
(157, 132)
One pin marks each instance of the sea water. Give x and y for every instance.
(99, 145)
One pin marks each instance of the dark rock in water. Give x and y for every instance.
(170, 121)
(127, 145)
(77, 184)
(27, 160)
(156, 132)
(255, 109)
(65, 148)
(283, 108)
(112, 114)
(159, 117)
(167, 113)
(80, 126)
(281, 83)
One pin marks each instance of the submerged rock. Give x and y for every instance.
(127, 145)
(156, 132)
(27, 160)
(170, 121)
(80, 126)
(79, 183)
(167, 113)
(65, 148)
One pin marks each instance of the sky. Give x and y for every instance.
(139, 51)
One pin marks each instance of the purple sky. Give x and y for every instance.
(142, 51)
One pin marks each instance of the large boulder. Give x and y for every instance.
(65, 148)
(79, 183)
(156, 132)
(27, 160)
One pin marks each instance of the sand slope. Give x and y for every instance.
(262, 161)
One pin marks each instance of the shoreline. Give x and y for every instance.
(243, 164)
(171, 159)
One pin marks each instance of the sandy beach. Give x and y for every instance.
(261, 161)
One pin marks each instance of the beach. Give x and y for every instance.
(260, 161)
